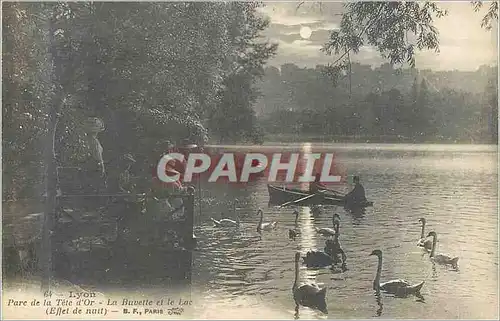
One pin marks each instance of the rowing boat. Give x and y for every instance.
(281, 195)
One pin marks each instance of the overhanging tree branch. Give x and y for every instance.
(386, 27)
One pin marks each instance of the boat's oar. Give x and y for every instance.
(333, 191)
(299, 200)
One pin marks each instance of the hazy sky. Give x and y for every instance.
(464, 45)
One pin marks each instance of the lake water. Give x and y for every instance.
(239, 274)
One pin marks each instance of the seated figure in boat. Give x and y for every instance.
(316, 186)
(357, 195)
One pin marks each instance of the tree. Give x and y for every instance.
(26, 93)
(489, 114)
(234, 118)
(150, 71)
(387, 27)
(491, 14)
(396, 29)
(494, 118)
(426, 120)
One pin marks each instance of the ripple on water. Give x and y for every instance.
(458, 197)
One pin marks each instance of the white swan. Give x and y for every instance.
(424, 242)
(225, 222)
(265, 226)
(397, 287)
(441, 258)
(326, 231)
(333, 247)
(308, 295)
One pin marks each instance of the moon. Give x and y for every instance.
(305, 32)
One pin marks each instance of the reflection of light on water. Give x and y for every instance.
(307, 239)
(264, 267)
(239, 308)
(306, 148)
(302, 167)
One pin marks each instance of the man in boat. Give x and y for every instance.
(316, 186)
(357, 195)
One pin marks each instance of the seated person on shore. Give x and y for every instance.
(175, 203)
(357, 195)
(316, 186)
(164, 205)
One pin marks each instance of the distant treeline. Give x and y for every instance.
(382, 104)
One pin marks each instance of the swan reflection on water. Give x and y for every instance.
(434, 272)
(378, 298)
(357, 215)
(420, 298)
(339, 269)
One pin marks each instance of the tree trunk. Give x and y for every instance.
(50, 160)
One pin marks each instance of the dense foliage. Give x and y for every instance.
(234, 119)
(153, 72)
(385, 104)
(397, 30)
